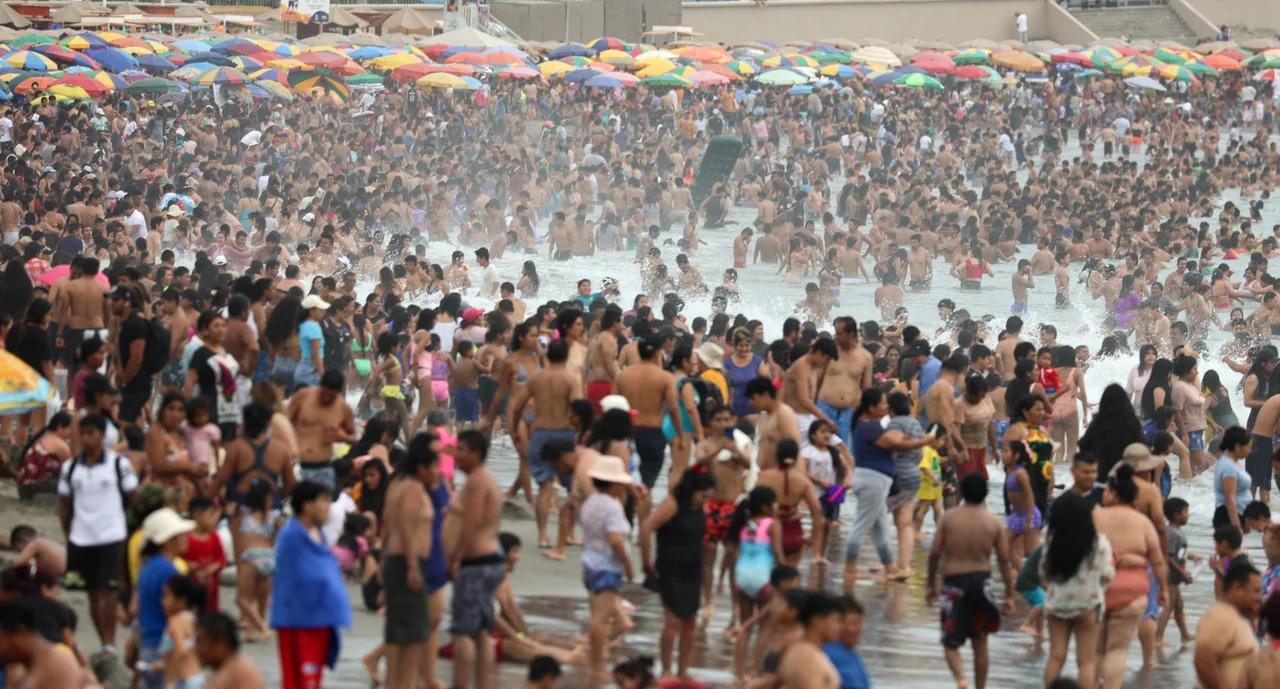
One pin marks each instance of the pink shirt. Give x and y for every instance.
(200, 442)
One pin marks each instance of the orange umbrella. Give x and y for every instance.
(722, 70)
(1221, 62)
(468, 57)
(35, 84)
(706, 54)
(1018, 61)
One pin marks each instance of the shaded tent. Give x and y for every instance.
(128, 8)
(364, 38)
(68, 14)
(410, 21)
(11, 17)
(342, 17)
(471, 38)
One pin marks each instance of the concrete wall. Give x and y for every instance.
(1255, 14)
(545, 21)
(623, 19)
(1194, 18)
(892, 20)
(1062, 27)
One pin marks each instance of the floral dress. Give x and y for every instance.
(1084, 591)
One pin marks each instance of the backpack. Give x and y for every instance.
(709, 397)
(158, 348)
(71, 487)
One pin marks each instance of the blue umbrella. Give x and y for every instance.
(579, 76)
(570, 50)
(155, 63)
(113, 59)
(368, 53)
(510, 51)
(225, 46)
(450, 52)
(912, 69)
(212, 58)
(1069, 67)
(800, 90)
(200, 67)
(603, 81)
(885, 79)
(472, 83)
(191, 46)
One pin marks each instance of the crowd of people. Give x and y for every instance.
(230, 364)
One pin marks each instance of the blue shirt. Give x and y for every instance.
(153, 577)
(853, 674)
(929, 372)
(310, 332)
(1226, 468)
(868, 454)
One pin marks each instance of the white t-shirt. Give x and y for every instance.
(97, 511)
(6, 130)
(1022, 22)
(136, 224)
(338, 511)
(445, 331)
(490, 280)
(926, 142)
(820, 463)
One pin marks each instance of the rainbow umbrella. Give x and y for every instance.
(68, 91)
(1168, 56)
(789, 61)
(31, 82)
(279, 76)
(1130, 65)
(246, 64)
(1262, 61)
(29, 60)
(606, 43)
(1200, 68)
(1176, 73)
(838, 71)
(972, 56)
(223, 76)
(742, 67)
(21, 388)
(318, 79)
(276, 90)
(92, 87)
(85, 41)
(667, 81)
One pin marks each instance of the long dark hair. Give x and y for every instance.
(284, 320)
(612, 425)
(759, 498)
(373, 500)
(1071, 538)
(1160, 372)
(870, 398)
(1113, 428)
(690, 483)
(1142, 356)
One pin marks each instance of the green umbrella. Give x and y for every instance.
(972, 56)
(366, 79)
(1086, 73)
(1168, 56)
(1263, 62)
(152, 86)
(828, 58)
(31, 39)
(667, 80)
(918, 81)
(781, 77)
(1200, 68)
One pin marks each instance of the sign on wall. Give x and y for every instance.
(305, 11)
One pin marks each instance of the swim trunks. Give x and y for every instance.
(407, 621)
(598, 390)
(967, 608)
(473, 589)
(719, 514)
(1019, 307)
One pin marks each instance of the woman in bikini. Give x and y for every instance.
(167, 459)
(387, 379)
(524, 359)
(1138, 561)
(792, 486)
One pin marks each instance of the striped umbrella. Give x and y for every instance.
(29, 60)
(246, 64)
(21, 388)
(1176, 73)
(85, 41)
(277, 91)
(743, 67)
(972, 56)
(91, 86)
(31, 39)
(1200, 68)
(309, 80)
(279, 76)
(31, 82)
(606, 43)
(223, 76)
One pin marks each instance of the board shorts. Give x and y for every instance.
(719, 515)
(967, 609)
(1019, 307)
(406, 622)
(466, 405)
(597, 390)
(918, 284)
(601, 581)
(541, 471)
(1034, 597)
(474, 587)
(93, 567)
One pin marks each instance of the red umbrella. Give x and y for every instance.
(322, 58)
(93, 87)
(1072, 58)
(468, 57)
(435, 50)
(972, 72)
(55, 274)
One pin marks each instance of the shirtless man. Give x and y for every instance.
(43, 665)
(845, 378)
(551, 390)
(82, 310)
(47, 554)
(1225, 640)
(1005, 362)
(648, 388)
(966, 537)
(475, 562)
(406, 523)
(804, 665)
(741, 244)
(778, 421)
(724, 460)
(1264, 430)
(800, 385)
(1021, 282)
(602, 357)
(1262, 669)
(767, 245)
(218, 647)
(1062, 281)
(321, 417)
(888, 296)
(919, 265)
(938, 404)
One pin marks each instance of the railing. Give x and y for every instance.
(1109, 4)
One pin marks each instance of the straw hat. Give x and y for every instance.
(164, 524)
(711, 355)
(610, 469)
(1138, 456)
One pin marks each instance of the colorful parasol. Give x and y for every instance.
(309, 80)
(21, 388)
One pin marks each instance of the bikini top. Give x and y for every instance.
(756, 531)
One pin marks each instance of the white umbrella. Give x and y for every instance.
(876, 55)
(1144, 83)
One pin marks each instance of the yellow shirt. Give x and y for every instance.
(929, 489)
(716, 377)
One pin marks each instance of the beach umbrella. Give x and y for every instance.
(708, 79)
(789, 61)
(442, 80)
(934, 63)
(1268, 75)
(52, 99)
(606, 43)
(1220, 62)
(1129, 64)
(570, 50)
(723, 71)
(390, 62)
(275, 90)
(85, 41)
(1176, 73)
(829, 58)
(30, 60)
(222, 76)
(113, 58)
(519, 73)
(1168, 56)
(188, 45)
(364, 81)
(838, 71)
(472, 83)
(1263, 61)
(576, 60)
(245, 64)
(1018, 61)
(667, 81)
(507, 50)
(579, 76)
(978, 73)
(64, 91)
(457, 70)
(1085, 73)
(604, 81)
(781, 77)
(309, 80)
(412, 72)
(743, 67)
(876, 55)
(31, 39)
(155, 63)
(279, 76)
(152, 86)
(652, 54)
(656, 67)
(1144, 83)
(972, 56)
(22, 389)
(89, 85)
(1200, 68)
(502, 57)
(1234, 53)
(1071, 58)
(882, 78)
(705, 54)
(57, 53)
(553, 68)
(616, 57)
(31, 83)
(800, 90)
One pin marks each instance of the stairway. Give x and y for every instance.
(1157, 23)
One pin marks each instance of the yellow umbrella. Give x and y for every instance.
(554, 67)
(1018, 61)
(21, 388)
(390, 62)
(286, 63)
(442, 80)
(661, 63)
(137, 50)
(110, 36)
(69, 91)
(606, 55)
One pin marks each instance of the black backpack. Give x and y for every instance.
(158, 349)
(709, 397)
(71, 487)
